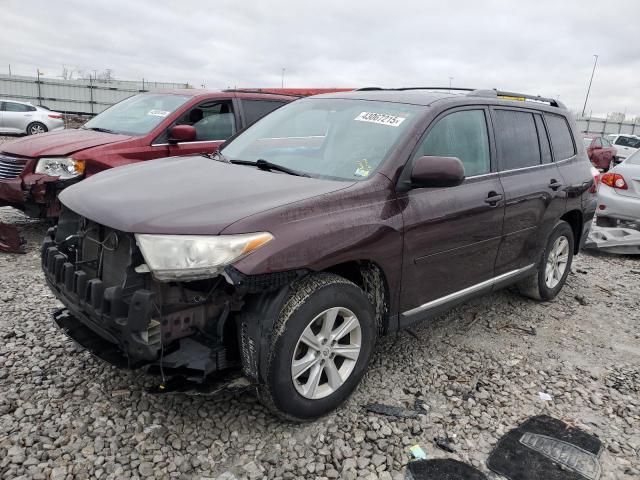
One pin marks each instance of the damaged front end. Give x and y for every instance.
(116, 310)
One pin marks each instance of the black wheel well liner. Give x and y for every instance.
(574, 219)
(370, 277)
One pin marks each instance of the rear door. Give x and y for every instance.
(532, 185)
(451, 234)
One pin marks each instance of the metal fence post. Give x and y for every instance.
(91, 94)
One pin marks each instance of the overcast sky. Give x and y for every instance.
(536, 47)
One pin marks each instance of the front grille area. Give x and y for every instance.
(11, 167)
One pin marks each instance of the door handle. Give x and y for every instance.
(554, 184)
(493, 198)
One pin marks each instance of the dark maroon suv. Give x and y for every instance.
(331, 221)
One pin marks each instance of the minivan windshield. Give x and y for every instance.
(341, 139)
(137, 115)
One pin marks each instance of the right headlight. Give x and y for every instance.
(63, 167)
(195, 257)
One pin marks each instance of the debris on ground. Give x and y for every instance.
(445, 443)
(619, 240)
(442, 469)
(417, 452)
(391, 410)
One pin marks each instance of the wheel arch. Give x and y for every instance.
(371, 278)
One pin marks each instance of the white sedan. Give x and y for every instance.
(625, 145)
(22, 117)
(619, 193)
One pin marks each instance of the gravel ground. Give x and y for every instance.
(479, 370)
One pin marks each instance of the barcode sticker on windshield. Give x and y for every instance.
(158, 113)
(379, 118)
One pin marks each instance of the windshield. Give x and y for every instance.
(628, 142)
(327, 138)
(137, 115)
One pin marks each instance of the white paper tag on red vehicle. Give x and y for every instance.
(158, 113)
(380, 119)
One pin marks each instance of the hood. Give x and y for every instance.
(62, 142)
(186, 195)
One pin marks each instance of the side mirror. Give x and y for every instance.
(182, 133)
(437, 172)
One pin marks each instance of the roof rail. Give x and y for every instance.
(367, 89)
(265, 91)
(520, 97)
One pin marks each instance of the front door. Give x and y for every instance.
(214, 121)
(451, 235)
(533, 187)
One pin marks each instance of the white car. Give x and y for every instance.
(625, 145)
(619, 193)
(22, 117)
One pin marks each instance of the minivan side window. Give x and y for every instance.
(254, 110)
(561, 140)
(516, 139)
(461, 134)
(545, 148)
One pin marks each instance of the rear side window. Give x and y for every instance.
(516, 139)
(17, 107)
(561, 140)
(254, 110)
(545, 148)
(460, 134)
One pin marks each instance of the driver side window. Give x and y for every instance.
(213, 120)
(461, 134)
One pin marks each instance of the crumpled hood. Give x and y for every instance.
(186, 195)
(61, 142)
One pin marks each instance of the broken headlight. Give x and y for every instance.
(194, 257)
(63, 167)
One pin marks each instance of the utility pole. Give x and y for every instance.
(9, 69)
(39, 90)
(450, 79)
(590, 81)
(282, 81)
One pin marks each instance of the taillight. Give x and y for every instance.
(596, 181)
(614, 180)
(55, 116)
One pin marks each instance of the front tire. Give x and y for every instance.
(36, 127)
(319, 349)
(554, 266)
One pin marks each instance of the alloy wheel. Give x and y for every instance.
(326, 353)
(557, 262)
(35, 129)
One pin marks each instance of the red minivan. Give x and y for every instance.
(34, 169)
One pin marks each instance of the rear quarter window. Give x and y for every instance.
(516, 139)
(254, 110)
(561, 138)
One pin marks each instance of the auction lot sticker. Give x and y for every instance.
(158, 113)
(380, 118)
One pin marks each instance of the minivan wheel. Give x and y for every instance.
(36, 127)
(320, 347)
(554, 266)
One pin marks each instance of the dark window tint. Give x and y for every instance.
(254, 110)
(461, 134)
(17, 107)
(545, 148)
(628, 142)
(561, 140)
(516, 139)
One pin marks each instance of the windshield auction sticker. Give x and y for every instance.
(379, 118)
(158, 113)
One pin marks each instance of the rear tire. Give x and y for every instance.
(554, 266)
(289, 387)
(36, 127)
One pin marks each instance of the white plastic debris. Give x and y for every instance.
(545, 397)
(614, 240)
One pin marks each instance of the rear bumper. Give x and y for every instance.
(617, 206)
